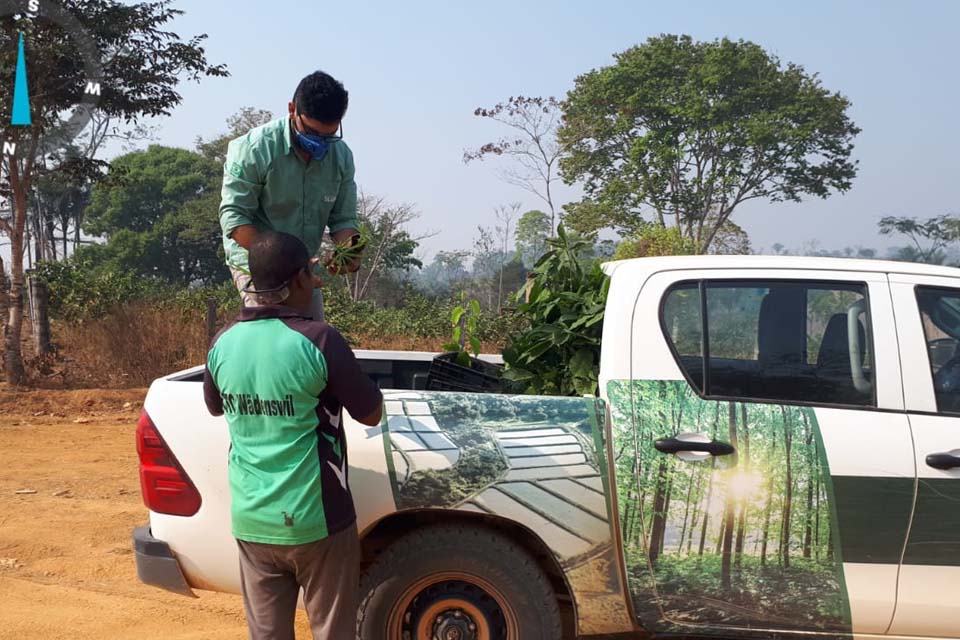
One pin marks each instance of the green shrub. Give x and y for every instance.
(558, 353)
(655, 240)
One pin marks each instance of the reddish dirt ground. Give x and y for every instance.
(66, 561)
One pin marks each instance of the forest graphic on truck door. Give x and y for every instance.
(726, 507)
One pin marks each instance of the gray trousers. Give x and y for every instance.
(250, 300)
(327, 570)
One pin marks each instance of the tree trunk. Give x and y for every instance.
(658, 525)
(12, 355)
(686, 514)
(666, 512)
(4, 298)
(51, 240)
(627, 513)
(808, 525)
(706, 512)
(816, 526)
(788, 498)
(39, 317)
(744, 500)
(729, 512)
(710, 477)
(695, 520)
(768, 507)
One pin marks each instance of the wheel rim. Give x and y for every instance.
(452, 606)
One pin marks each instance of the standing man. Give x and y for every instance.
(293, 175)
(282, 378)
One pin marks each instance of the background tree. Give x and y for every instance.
(146, 62)
(237, 125)
(390, 247)
(929, 237)
(687, 131)
(58, 207)
(534, 148)
(506, 216)
(157, 211)
(653, 241)
(444, 274)
(486, 266)
(533, 229)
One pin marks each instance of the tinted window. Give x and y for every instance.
(790, 341)
(940, 313)
(684, 328)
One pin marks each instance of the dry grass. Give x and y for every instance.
(133, 345)
(129, 347)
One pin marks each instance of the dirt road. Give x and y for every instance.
(66, 564)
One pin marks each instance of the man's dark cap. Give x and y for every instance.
(275, 260)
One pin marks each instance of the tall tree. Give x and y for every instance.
(533, 146)
(730, 508)
(713, 466)
(744, 500)
(506, 215)
(787, 491)
(155, 209)
(687, 131)
(768, 506)
(145, 64)
(811, 474)
(658, 525)
(390, 246)
(533, 229)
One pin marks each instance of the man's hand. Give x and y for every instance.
(344, 237)
(350, 266)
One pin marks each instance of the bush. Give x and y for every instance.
(655, 240)
(559, 351)
(115, 329)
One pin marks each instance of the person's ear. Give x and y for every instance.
(291, 108)
(304, 280)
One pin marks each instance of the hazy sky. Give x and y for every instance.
(417, 69)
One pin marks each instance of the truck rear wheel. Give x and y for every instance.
(456, 583)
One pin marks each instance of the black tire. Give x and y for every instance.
(477, 552)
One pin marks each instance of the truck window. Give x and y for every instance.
(789, 341)
(940, 314)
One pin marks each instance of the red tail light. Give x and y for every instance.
(165, 486)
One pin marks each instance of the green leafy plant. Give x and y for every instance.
(464, 320)
(344, 253)
(564, 302)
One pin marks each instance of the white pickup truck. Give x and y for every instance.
(775, 452)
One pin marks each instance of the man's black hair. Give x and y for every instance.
(321, 97)
(275, 258)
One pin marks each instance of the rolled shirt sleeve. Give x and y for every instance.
(242, 184)
(343, 215)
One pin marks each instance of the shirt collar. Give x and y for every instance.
(267, 311)
(287, 136)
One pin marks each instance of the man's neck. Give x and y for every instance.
(305, 308)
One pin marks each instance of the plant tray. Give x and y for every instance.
(447, 375)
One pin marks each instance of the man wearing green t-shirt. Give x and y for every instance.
(293, 175)
(282, 379)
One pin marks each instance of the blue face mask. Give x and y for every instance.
(315, 144)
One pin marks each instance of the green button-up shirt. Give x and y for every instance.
(268, 185)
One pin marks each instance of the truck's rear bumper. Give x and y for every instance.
(156, 564)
